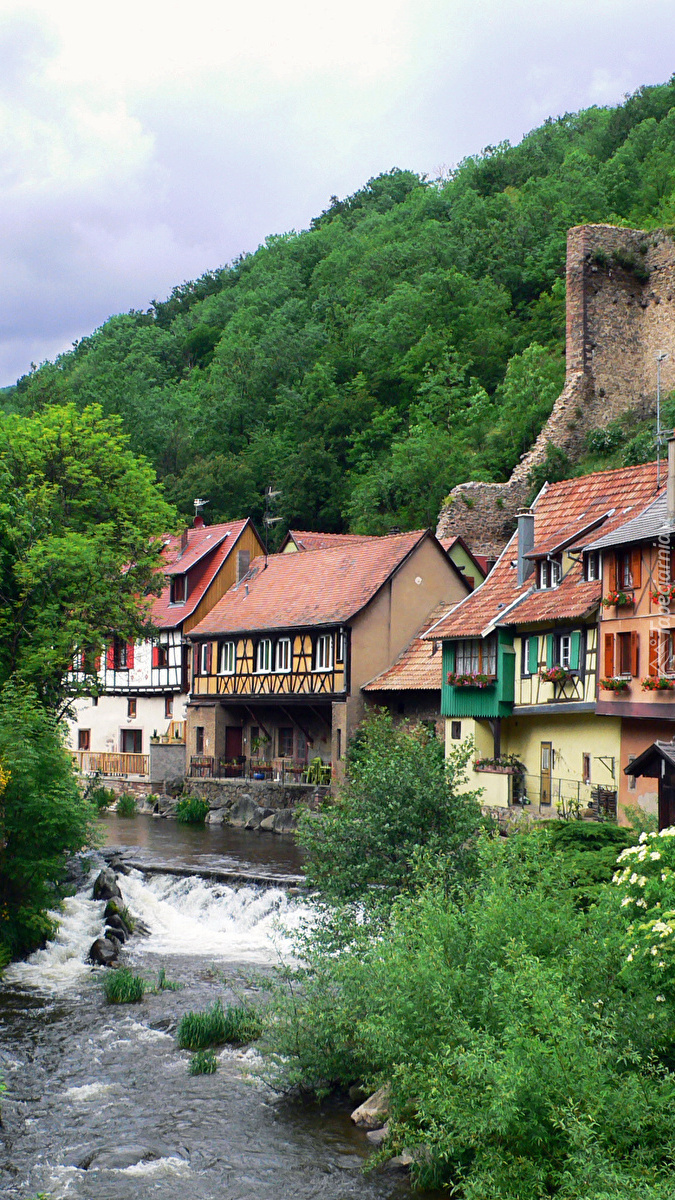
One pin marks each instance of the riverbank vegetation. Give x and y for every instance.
(521, 1006)
(192, 810)
(237, 1024)
(414, 333)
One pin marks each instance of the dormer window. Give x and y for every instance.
(178, 589)
(550, 573)
(591, 566)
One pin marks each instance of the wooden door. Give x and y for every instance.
(666, 801)
(546, 772)
(233, 741)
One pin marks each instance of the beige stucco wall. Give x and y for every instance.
(571, 737)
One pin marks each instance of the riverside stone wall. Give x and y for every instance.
(620, 313)
(225, 793)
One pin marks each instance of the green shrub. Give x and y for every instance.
(102, 797)
(126, 805)
(192, 811)
(237, 1024)
(204, 1062)
(123, 987)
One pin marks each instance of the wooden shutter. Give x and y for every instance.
(130, 656)
(533, 655)
(155, 656)
(110, 657)
(611, 572)
(609, 655)
(634, 653)
(195, 659)
(653, 652)
(636, 567)
(208, 658)
(575, 650)
(550, 645)
(97, 663)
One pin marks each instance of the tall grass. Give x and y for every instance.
(123, 987)
(102, 797)
(126, 805)
(237, 1024)
(204, 1062)
(192, 811)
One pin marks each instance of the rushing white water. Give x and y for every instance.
(186, 916)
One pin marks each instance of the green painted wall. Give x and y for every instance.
(496, 700)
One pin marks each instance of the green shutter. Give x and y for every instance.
(533, 655)
(575, 650)
(451, 656)
(549, 650)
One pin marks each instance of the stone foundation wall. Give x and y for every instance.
(224, 793)
(620, 313)
(167, 761)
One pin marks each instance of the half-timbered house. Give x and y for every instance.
(144, 686)
(279, 663)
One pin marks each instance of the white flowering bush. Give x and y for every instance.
(646, 879)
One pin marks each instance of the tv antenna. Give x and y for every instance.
(659, 436)
(268, 520)
(199, 504)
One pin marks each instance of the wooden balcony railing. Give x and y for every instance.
(90, 763)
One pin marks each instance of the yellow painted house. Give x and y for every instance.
(520, 654)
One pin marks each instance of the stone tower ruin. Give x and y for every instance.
(620, 313)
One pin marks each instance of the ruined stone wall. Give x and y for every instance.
(620, 313)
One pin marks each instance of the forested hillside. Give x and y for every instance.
(411, 339)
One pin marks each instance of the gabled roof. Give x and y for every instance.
(206, 551)
(565, 514)
(645, 527)
(649, 762)
(418, 668)
(479, 560)
(306, 540)
(326, 587)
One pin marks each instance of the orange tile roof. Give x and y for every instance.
(325, 587)
(206, 551)
(306, 540)
(567, 514)
(418, 668)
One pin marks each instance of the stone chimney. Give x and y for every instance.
(525, 544)
(243, 561)
(670, 486)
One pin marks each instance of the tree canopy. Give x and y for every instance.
(410, 339)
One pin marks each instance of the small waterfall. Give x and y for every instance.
(61, 965)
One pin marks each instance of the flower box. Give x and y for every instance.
(664, 595)
(658, 683)
(470, 680)
(618, 600)
(489, 769)
(556, 675)
(616, 685)
(506, 764)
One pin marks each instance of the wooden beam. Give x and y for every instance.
(294, 721)
(257, 721)
(321, 718)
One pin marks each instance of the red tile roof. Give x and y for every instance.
(564, 514)
(418, 668)
(325, 587)
(207, 550)
(306, 540)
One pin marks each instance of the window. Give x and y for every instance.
(632, 779)
(264, 656)
(168, 707)
(178, 589)
(339, 743)
(456, 730)
(669, 639)
(283, 662)
(131, 707)
(205, 658)
(199, 739)
(341, 647)
(591, 566)
(323, 652)
(530, 655)
(550, 573)
(131, 741)
(120, 655)
(565, 651)
(624, 653)
(226, 658)
(586, 768)
(84, 739)
(160, 655)
(476, 657)
(624, 575)
(285, 742)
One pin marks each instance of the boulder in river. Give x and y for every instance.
(243, 811)
(374, 1111)
(377, 1136)
(113, 931)
(115, 921)
(105, 885)
(283, 821)
(104, 952)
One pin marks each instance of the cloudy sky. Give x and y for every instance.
(146, 141)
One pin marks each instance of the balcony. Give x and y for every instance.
(278, 770)
(113, 765)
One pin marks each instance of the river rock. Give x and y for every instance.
(104, 952)
(377, 1136)
(400, 1162)
(114, 935)
(105, 885)
(119, 1157)
(116, 921)
(216, 816)
(117, 926)
(119, 866)
(243, 810)
(283, 821)
(374, 1111)
(258, 817)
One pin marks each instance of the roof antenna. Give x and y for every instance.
(659, 359)
(270, 497)
(199, 520)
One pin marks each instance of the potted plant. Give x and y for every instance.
(469, 679)
(504, 764)
(617, 599)
(665, 594)
(556, 675)
(658, 683)
(615, 684)
(155, 736)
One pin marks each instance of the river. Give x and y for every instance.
(99, 1104)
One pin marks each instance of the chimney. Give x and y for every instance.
(670, 489)
(183, 542)
(525, 544)
(243, 560)
(198, 522)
